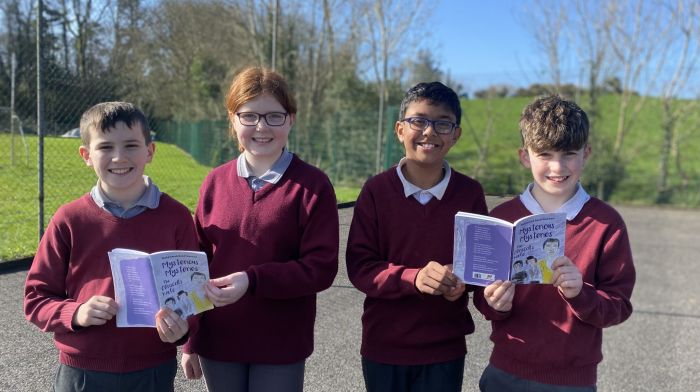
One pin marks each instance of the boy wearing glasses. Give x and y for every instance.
(400, 249)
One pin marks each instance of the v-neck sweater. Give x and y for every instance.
(285, 237)
(391, 238)
(552, 339)
(71, 266)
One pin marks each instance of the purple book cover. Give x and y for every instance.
(488, 254)
(141, 298)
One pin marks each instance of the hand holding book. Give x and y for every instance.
(170, 326)
(566, 277)
(499, 295)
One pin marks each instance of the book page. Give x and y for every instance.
(179, 280)
(482, 249)
(538, 240)
(134, 290)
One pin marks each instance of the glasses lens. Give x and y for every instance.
(418, 123)
(443, 126)
(275, 118)
(248, 118)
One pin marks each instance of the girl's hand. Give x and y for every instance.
(191, 366)
(227, 289)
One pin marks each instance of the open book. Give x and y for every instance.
(144, 283)
(487, 249)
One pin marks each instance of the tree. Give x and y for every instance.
(388, 32)
(684, 16)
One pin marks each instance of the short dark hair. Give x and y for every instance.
(553, 123)
(434, 92)
(179, 293)
(195, 274)
(105, 115)
(518, 262)
(169, 299)
(550, 240)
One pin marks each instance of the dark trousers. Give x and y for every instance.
(251, 377)
(157, 379)
(443, 376)
(496, 380)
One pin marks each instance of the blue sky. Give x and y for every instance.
(484, 42)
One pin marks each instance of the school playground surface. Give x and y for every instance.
(658, 348)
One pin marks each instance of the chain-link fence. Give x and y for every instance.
(161, 56)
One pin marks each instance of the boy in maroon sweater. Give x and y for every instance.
(551, 338)
(69, 289)
(399, 253)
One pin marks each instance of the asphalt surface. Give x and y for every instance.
(658, 348)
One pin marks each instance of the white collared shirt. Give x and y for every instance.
(272, 176)
(425, 195)
(149, 200)
(571, 207)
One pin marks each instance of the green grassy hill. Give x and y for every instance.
(175, 172)
(66, 177)
(641, 150)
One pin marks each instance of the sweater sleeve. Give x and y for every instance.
(367, 270)
(607, 302)
(45, 302)
(317, 264)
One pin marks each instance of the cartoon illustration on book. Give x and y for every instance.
(487, 249)
(143, 283)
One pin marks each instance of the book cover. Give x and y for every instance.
(487, 249)
(144, 283)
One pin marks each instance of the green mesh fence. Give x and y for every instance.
(343, 147)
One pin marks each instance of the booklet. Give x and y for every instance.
(487, 249)
(144, 283)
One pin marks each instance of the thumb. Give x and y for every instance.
(222, 281)
(561, 261)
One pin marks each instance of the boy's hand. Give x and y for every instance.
(499, 295)
(454, 293)
(566, 277)
(435, 279)
(170, 326)
(227, 289)
(96, 311)
(191, 366)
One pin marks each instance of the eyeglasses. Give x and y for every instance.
(273, 119)
(442, 127)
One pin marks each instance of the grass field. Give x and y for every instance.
(641, 151)
(66, 177)
(176, 173)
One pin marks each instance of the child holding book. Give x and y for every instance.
(551, 339)
(269, 223)
(399, 253)
(69, 289)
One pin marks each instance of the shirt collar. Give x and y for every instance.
(274, 174)
(438, 190)
(571, 207)
(149, 199)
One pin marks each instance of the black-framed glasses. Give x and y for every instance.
(442, 127)
(273, 119)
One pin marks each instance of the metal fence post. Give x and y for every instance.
(40, 115)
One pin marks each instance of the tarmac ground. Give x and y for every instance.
(657, 348)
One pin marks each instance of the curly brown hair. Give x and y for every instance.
(553, 123)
